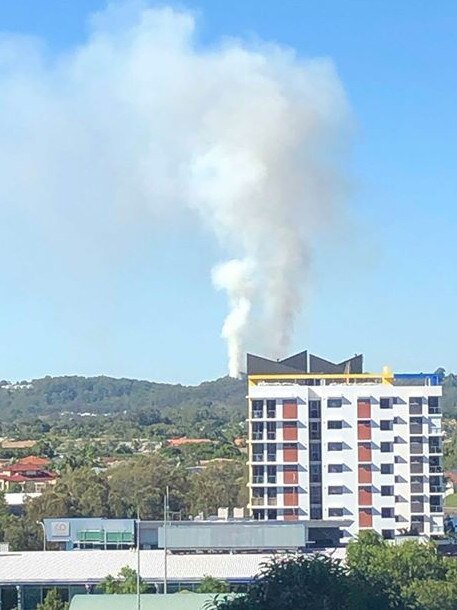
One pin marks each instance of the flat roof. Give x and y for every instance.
(92, 566)
(171, 601)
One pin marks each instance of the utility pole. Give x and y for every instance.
(165, 549)
(138, 582)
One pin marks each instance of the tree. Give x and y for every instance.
(209, 584)
(221, 484)
(125, 582)
(78, 493)
(306, 582)
(53, 601)
(140, 485)
(406, 573)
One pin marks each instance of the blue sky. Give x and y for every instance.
(385, 286)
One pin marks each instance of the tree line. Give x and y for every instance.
(122, 491)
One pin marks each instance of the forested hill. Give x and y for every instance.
(102, 395)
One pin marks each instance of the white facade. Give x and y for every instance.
(370, 453)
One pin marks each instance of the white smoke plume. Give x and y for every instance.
(143, 120)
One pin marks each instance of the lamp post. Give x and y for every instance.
(44, 533)
(165, 554)
(138, 582)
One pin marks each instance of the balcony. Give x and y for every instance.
(436, 509)
(415, 428)
(435, 469)
(257, 436)
(273, 501)
(416, 448)
(417, 488)
(257, 480)
(257, 414)
(437, 489)
(435, 449)
(271, 436)
(257, 501)
(257, 457)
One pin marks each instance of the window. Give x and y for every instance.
(335, 446)
(257, 474)
(315, 494)
(334, 403)
(272, 515)
(257, 453)
(271, 452)
(386, 424)
(388, 534)
(385, 403)
(387, 468)
(271, 474)
(434, 405)
(335, 512)
(316, 512)
(335, 490)
(257, 431)
(271, 431)
(387, 513)
(387, 490)
(315, 430)
(315, 473)
(386, 447)
(315, 452)
(314, 409)
(271, 408)
(257, 408)
(335, 424)
(335, 467)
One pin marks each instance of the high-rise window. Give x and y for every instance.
(314, 409)
(271, 408)
(334, 403)
(335, 424)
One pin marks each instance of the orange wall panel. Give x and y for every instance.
(289, 409)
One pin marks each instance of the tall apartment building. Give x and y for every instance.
(328, 441)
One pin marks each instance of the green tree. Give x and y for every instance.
(53, 601)
(140, 485)
(306, 582)
(125, 582)
(220, 484)
(406, 573)
(209, 584)
(78, 493)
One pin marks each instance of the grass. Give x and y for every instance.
(451, 501)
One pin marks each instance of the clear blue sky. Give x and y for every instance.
(387, 288)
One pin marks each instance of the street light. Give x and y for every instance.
(44, 533)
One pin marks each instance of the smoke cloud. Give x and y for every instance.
(143, 121)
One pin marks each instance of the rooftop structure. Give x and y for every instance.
(330, 441)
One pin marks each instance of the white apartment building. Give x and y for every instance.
(330, 442)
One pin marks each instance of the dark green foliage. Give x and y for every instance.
(306, 582)
(53, 601)
(124, 582)
(53, 395)
(411, 575)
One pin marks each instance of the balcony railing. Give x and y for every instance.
(271, 436)
(436, 509)
(258, 501)
(257, 414)
(417, 468)
(436, 469)
(435, 449)
(257, 436)
(417, 488)
(436, 489)
(257, 457)
(272, 501)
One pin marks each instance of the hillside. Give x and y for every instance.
(102, 395)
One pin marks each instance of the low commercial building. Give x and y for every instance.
(233, 535)
(26, 578)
